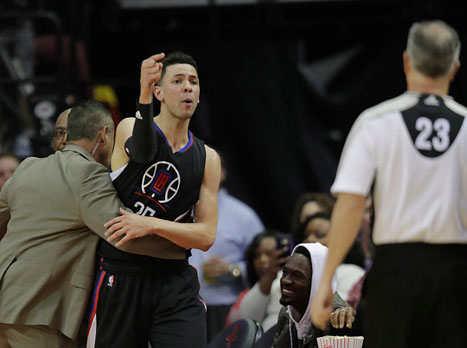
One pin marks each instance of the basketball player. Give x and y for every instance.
(170, 178)
(414, 149)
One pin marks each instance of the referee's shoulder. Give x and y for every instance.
(397, 104)
(455, 106)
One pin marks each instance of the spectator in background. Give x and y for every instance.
(306, 205)
(299, 282)
(221, 270)
(8, 165)
(264, 262)
(315, 229)
(60, 130)
(268, 308)
(309, 204)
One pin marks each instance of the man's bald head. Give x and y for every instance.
(60, 130)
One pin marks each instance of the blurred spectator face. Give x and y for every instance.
(8, 165)
(310, 208)
(317, 231)
(263, 255)
(60, 130)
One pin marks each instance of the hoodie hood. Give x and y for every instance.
(318, 254)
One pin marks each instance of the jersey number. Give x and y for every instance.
(144, 210)
(440, 141)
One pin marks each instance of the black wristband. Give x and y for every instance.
(144, 111)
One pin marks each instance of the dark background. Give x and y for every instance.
(281, 83)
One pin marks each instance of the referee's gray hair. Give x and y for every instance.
(433, 47)
(86, 119)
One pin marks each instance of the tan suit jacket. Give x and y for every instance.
(55, 208)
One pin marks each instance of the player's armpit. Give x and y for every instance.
(119, 155)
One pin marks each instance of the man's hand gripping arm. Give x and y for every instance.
(199, 235)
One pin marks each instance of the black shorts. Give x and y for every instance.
(413, 296)
(136, 304)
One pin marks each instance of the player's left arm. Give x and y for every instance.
(198, 235)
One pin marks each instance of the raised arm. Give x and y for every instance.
(136, 137)
(198, 235)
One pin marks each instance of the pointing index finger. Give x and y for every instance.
(157, 57)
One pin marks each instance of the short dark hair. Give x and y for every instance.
(86, 119)
(177, 57)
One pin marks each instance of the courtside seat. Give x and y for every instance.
(267, 338)
(243, 333)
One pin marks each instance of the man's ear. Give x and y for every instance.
(454, 70)
(158, 93)
(406, 61)
(102, 135)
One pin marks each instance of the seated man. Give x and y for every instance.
(299, 282)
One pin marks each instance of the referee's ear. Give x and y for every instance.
(454, 70)
(406, 62)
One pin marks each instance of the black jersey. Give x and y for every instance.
(167, 188)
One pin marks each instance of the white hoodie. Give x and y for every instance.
(318, 253)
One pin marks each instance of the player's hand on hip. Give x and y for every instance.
(321, 306)
(126, 226)
(151, 70)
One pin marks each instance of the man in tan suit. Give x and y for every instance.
(55, 209)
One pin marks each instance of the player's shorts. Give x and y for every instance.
(136, 304)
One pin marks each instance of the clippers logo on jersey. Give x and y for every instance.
(432, 126)
(161, 181)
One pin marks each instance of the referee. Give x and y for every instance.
(413, 151)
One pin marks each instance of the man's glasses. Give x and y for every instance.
(59, 132)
